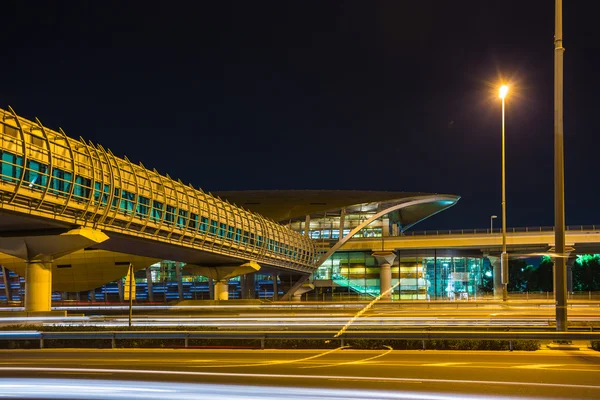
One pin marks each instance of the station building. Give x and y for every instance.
(333, 220)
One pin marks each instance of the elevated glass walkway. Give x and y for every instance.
(48, 176)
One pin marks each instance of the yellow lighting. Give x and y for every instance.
(503, 91)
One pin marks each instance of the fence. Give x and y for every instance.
(580, 228)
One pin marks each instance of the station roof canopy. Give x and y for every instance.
(293, 205)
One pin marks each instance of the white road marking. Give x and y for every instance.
(303, 377)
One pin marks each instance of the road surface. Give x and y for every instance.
(301, 373)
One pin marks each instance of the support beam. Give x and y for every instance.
(304, 288)
(38, 286)
(222, 274)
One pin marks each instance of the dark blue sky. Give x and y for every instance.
(376, 95)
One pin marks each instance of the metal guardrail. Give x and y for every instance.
(300, 335)
(526, 229)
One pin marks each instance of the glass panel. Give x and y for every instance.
(182, 219)
(61, 182)
(157, 211)
(83, 187)
(193, 221)
(36, 175)
(143, 206)
(11, 167)
(170, 214)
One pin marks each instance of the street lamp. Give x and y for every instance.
(492, 223)
(504, 257)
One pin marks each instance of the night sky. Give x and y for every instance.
(369, 95)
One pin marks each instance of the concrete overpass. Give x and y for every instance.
(581, 239)
(520, 242)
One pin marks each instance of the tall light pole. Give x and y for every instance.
(504, 256)
(492, 223)
(560, 272)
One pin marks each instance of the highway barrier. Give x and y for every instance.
(263, 336)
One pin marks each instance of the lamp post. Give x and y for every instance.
(560, 278)
(504, 257)
(492, 223)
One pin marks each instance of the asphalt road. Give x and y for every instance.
(387, 316)
(344, 373)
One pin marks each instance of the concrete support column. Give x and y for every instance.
(150, 286)
(275, 288)
(221, 290)
(38, 286)
(497, 274)
(385, 259)
(297, 297)
(385, 280)
(179, 281)
(38, 273)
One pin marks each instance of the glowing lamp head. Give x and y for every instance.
(503, 91)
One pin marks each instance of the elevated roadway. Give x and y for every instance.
(533, 240)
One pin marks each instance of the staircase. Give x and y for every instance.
(357, 285)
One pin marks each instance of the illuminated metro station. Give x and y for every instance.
(74, 218)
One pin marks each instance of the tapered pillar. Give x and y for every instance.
(221, 290)
(385, 259)
(385, 281)
(38, 252)
(496, 263)
(38, 286)
(219, 276)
